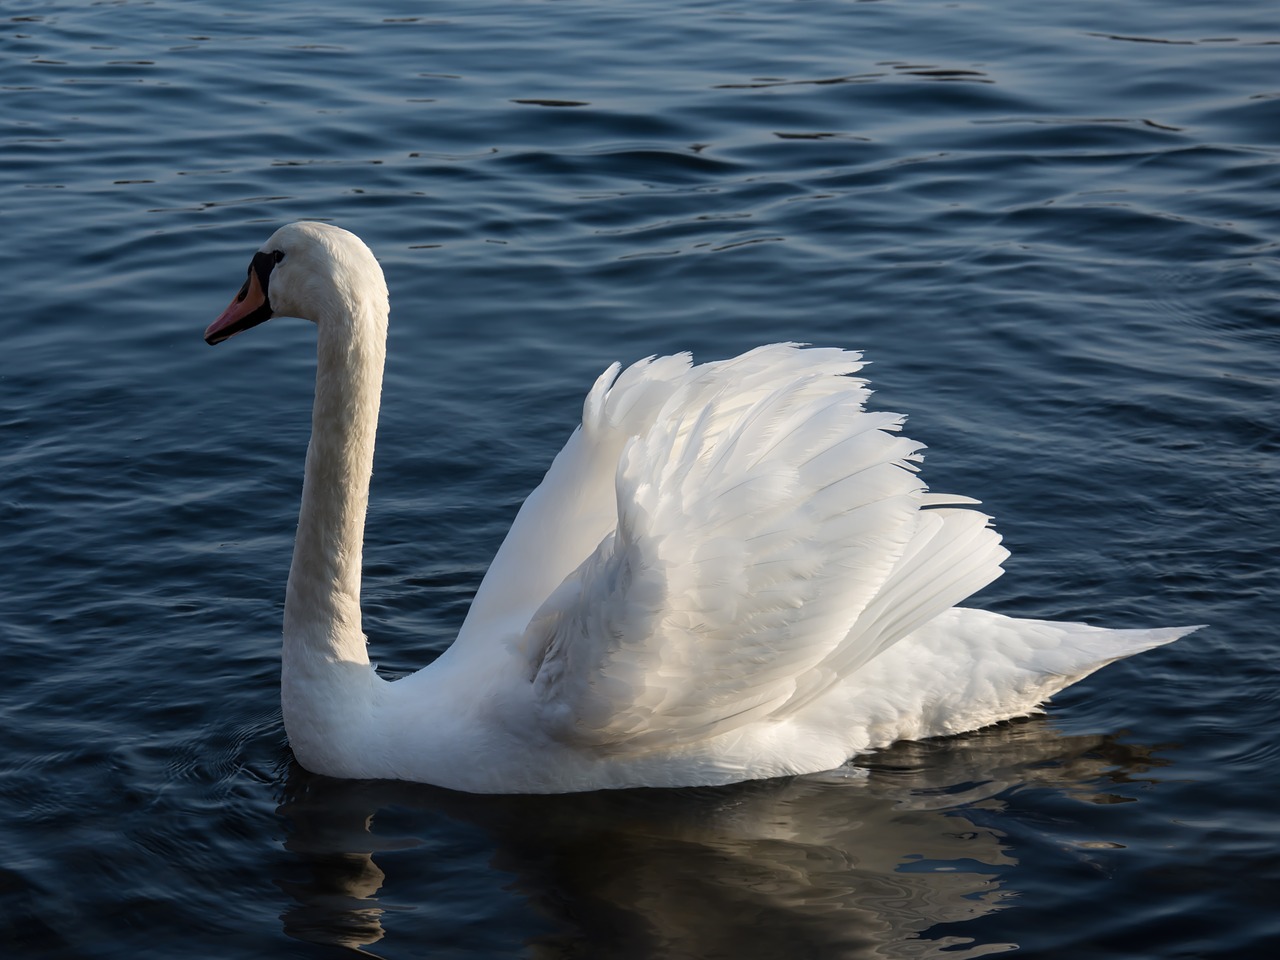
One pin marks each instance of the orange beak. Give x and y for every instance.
(250, 306)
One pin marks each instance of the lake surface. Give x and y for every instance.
(1053, 228)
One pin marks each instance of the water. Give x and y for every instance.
(1054, 232)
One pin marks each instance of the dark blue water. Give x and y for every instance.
(1052, 227)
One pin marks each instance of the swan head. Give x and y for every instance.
(306, 269)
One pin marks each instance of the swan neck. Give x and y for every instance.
(322, 602)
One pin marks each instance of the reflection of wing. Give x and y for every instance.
(769, 540)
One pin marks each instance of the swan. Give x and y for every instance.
(731, 571)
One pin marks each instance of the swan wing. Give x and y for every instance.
(574, 507)
(769, 539)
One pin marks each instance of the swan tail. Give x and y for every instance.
(1071, 651)
(972, 668)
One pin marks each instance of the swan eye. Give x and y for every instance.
(277, 255)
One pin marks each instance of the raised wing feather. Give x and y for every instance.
(563, 520)
(761, 516)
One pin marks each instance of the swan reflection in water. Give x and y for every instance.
(871, 861)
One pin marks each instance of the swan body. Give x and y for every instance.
(731, 571)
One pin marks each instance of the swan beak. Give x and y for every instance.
(250, 306)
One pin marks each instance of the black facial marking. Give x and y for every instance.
(262, 265)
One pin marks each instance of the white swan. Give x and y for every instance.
(730, 571)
